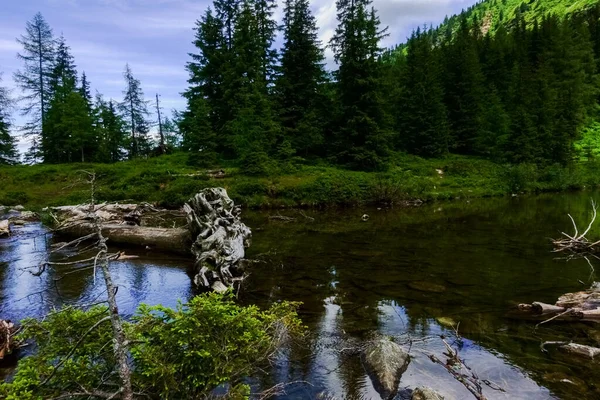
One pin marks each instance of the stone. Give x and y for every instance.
(19, 208)
(424, 393)
(29, 216)
(446, 322)
(4, 228)
(423, 286)
(385, 362)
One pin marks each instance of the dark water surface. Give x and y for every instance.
(407, 273)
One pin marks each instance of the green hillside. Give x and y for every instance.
(493, 13)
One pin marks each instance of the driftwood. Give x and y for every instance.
(4, 228)
(221, 239)
(208, 228)
(7, 342)
(582, 306)
(578, 244)
(129, 224)
(580, 350)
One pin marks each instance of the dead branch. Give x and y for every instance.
(283, 218)
(578, 244)
(460, 371)
(120, 342)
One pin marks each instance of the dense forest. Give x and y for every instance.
(525, 91)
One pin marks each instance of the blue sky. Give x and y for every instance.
(154, 36)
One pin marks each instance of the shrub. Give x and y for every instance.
(179, 353)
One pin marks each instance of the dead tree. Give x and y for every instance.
(578, 245)
(119, 340)
(221, 239)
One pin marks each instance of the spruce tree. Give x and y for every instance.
(465, 90)
(300, 80)
(67, 135)
(423, 124)
(135, 112)
(8, 149)
(252, 126)
(112, 131)
(33, 80)
(207, 74)
(266, 29)
(363, 135)
(198, 138)
(86, 92)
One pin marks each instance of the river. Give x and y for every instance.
(407, 273)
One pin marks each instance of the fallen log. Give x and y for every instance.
(582, 306)
(208, 228)
(169, 240)
(580, 350)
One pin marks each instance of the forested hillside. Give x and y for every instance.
(492, 14)
(525, 91)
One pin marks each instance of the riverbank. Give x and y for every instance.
(169, 182)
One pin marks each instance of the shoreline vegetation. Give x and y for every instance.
(168, 182)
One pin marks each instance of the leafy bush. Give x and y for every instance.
(178, 353)
(520, 178)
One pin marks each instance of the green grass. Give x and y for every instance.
(164, 181)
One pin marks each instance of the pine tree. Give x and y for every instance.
(207, 74)
(8, 149)
(38, 57)
(198, 137)
(266, 28)
(135, 112)
(301, 78)
(112, 131)
(421, 112)
(363, 135)
(252, 126)
(86, 92)
(464, 89)
(68, 128)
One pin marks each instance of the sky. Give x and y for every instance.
(155, 37)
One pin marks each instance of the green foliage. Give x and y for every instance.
(176, 353)
(187, 352)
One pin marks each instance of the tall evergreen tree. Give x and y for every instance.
(208, 70)
(8, 149)
(86, 92)
(198, 137)
(423, 123)
(111, 128)
(135, 111)
(33, 80)
(252, 125)
(266, 28)
(363, 135)
(464, 89)
(300, 80)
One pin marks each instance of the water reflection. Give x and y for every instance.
(403, 270)
(405, 273)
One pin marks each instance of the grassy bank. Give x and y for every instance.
(166, 181)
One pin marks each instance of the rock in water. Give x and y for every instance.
(4, 228)
(424, 393)
(385, 362)
(221, 238)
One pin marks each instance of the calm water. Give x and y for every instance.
(400, 273)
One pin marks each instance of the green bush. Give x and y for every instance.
(182, 353)
(520, 178)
